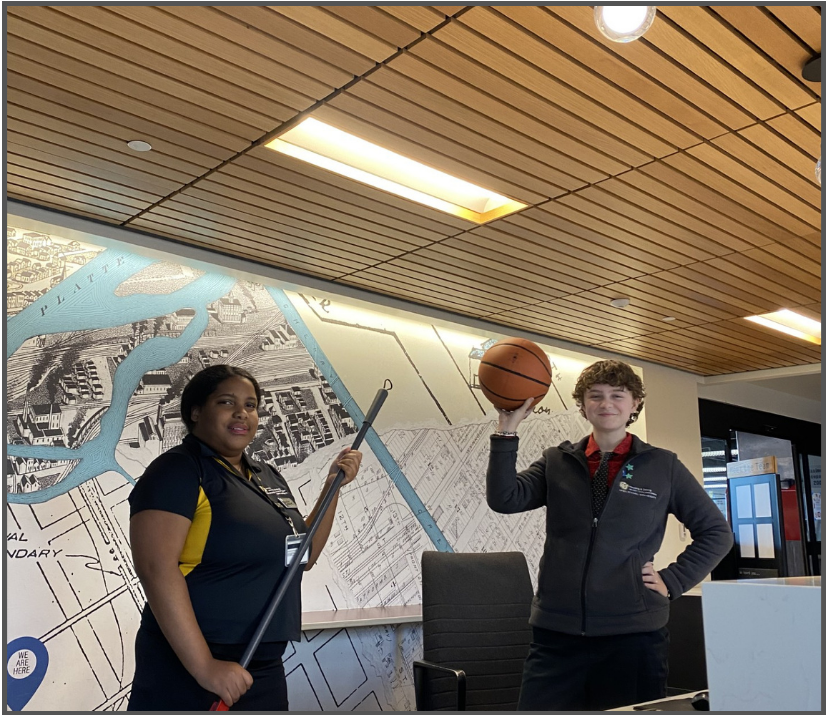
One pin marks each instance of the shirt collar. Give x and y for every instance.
(207, 451)
(621, 449)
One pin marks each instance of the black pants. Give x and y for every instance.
(567, 672)
(162, 683)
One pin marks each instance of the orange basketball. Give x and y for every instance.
(513, 370)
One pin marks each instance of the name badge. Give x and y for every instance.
(289, 503)
(293, 544)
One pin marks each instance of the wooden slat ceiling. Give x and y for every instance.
(677, 170)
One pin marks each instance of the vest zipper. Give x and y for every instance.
(594, 525)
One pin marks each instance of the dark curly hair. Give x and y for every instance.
(204, 383)
(614, 373)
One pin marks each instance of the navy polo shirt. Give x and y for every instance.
(233, 557)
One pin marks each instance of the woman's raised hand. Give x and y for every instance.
(349, 460)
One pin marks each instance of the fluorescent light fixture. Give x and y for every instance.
(791, 323)
(342, 153)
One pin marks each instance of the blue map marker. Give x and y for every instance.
(26, 664)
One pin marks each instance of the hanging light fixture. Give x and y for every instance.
(624, 23)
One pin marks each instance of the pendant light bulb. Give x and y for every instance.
(624, 23)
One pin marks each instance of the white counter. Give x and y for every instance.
(762, 639)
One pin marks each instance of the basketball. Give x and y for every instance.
(513, 370)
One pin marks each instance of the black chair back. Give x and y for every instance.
(475, 610)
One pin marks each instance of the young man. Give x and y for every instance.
(600, 610)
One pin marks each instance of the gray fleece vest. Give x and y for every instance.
(590, 580)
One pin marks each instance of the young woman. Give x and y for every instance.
(209, 530)
(600, 611)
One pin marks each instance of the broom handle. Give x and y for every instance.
(289, 574)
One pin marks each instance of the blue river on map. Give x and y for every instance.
(87, 301)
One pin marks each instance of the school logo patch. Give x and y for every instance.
(626, 488)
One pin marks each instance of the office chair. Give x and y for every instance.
(475, 610)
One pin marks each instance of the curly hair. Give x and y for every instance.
(204, 383)
(614, 373)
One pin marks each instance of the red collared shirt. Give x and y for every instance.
(618, 456)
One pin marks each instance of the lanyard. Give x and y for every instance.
(275, 501)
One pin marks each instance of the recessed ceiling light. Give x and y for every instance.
(621, 302)
(624, 23)
(138, 145)
(791, 323)
(669, 319)
(330, 148)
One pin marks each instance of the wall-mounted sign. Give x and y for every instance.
(752, 467)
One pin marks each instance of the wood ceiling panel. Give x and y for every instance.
(115, 206)
(752, 338)
(368, 245)
(515, 241)
(212, 66)
(542, 268)
(198, 45)
(757, 158)
(535, 66)
(50, 174)
(759, 26)
(90, 91)
(272, 247)
(708, 168)
(81, 60)
(802, 20)
(674, 118)
(676, 171)
(489, 272)
(489, 92)
(737, 285)
(434, 278)
(220, 25)
(708, 362)
(613, 222)
(419, 285)
(575, 229)
(653, 306)
(378, 23)
(708, 30)
(354, 252)
(324, 51)
(293, 212)
(645, 210)
(48, 153)
(22, 177)
(668, 68)
(423, 17)
(594, 308)
(811, 114)
(326, 23)
(664, 198)
(796, 131)
(577, 145)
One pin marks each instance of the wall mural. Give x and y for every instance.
(101, 341)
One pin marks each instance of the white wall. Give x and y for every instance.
(673, 423)
(755, 397)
